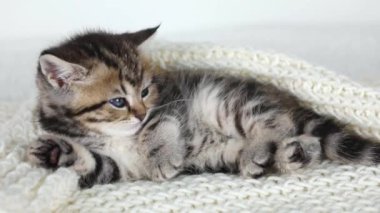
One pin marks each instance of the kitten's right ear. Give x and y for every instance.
(60, 73)
(140, 36)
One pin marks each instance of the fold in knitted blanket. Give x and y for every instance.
(328, 187)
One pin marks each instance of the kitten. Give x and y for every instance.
(109, 118)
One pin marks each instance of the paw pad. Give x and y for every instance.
(299, 154)
(47, 152)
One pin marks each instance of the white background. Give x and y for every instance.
(342, 35)
(22, 18)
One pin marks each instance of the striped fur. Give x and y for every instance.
(188, 122)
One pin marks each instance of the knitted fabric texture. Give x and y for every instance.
(328, 187)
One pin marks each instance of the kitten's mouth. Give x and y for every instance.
(121, 128)
(133, 127)
(136, 127)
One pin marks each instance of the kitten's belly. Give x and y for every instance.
(222, 155)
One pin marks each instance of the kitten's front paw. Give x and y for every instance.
(165, 163)
(50, 152)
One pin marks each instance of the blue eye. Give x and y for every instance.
(118, 102)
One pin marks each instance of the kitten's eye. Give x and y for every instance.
(144, 92)
(118, 102)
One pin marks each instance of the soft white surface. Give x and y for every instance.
(342, 35)
(351, 50)
(26, 19)
(326, 188)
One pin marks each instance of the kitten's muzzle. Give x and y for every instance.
(140, 116)
(139, 110)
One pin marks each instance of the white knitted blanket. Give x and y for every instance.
(327, 187)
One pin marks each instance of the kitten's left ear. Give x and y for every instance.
(140, 36)
(60, 73)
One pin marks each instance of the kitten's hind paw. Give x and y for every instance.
(256, 161)
(252, 170)
(297, 152)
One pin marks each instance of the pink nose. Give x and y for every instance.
(140, 116)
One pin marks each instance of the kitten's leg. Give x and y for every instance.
(286, 156)
(297, 152)
(256, 159)
(53, 152)
(262, 138)
(255, 114)
(165, 150)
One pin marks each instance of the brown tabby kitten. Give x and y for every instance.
(109, 119)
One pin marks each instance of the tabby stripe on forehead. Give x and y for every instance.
(105, 56)
(90, 108)
(94, 51)
(131, 79)
(121, 83)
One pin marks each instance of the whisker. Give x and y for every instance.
(179, 100)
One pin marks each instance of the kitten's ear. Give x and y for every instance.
(140, 36)
(60, 73)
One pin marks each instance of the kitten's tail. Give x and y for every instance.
(337, 141)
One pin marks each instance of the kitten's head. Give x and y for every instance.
(95, 82)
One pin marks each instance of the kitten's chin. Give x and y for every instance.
(120, 129)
